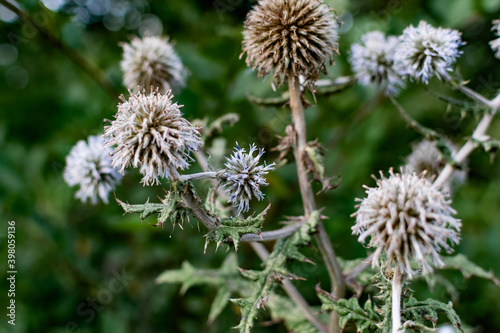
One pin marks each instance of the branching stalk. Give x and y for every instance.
(261, 251)
(478, 134)
(324, 244)
(290, 289)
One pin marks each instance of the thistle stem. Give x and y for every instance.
(397, 286)
(322, 239)
(477, 135)
(199, 175)
(261, 251)
(290, 289)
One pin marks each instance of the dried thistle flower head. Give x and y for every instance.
(407, 218)
(373, 60)
(427, 157)
(426, 51)
(149, 132)
(89, 166)
(244, 176)
(495, 44)
(151, 61)
(285, 36)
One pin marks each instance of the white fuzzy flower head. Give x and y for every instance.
(495, 44)
(427, 157)
(89, 166)
(407, 218)
(149, 132)
(373, 60)
(426, 51)
(244, 176)
(151, 61)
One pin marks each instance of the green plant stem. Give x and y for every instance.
(294, 294)
(397, 286)
(93, 71)
(322, 239)
(197, 176)
(261, 251)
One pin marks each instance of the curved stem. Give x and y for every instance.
(322, 239)
(290, 289)
(93, 71)
(261, 251)
(397, 286)
(478, 134)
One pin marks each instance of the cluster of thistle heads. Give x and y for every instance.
(405, 216)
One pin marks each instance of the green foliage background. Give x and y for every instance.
(67, 251)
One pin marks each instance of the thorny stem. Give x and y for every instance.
(93, 71)
(397, 286)
(292, 291)
(261, 251)
(199, 212)
(478, 134)
(324, 244)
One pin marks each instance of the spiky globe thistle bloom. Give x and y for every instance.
(373, 60)
(243, 177)
(495, 44)
(89, 166)
(290, 36)
(406, 218)
(151, 61)
(149, 132)
(426, 51)
(426, 156)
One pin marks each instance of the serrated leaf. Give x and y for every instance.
(468, 268)
(366, 318)
(231, 229)
(274, 270)
(417, 312)
(285, 309)
(227, 279)
(219, 303)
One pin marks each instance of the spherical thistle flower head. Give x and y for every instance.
(284, 37)
(407, 218)
(373, 60)
(495, 44)
(426, 156)
(243, 177)
(149, 132)
(426, 51)
(89, 166)
(151, 61)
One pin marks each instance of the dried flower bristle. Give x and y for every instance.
(426, 51)
(426, 156)
(149, 132)
(151, 61)
(89, 166)
(290, 37)
(407, 218)
(243, 177)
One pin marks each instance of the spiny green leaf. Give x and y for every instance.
(366, 318)
(275, 270)
(468, 268)
(231, 229)
(219, 303)
(417, 312)
(285, 309)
